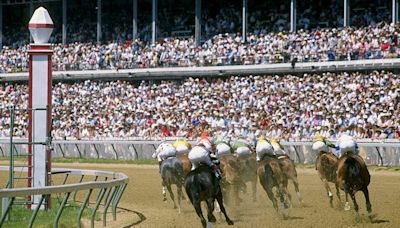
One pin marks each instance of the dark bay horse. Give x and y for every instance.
(289, 169)
(201, 184)
(271, 176)
(172, 173)
(326, 165)
(353, 176)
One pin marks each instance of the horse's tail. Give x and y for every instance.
(268, 174)
(188, 185)
(235, 165)
(329, 166)
(353, 168)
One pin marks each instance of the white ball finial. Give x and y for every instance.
(41, 26)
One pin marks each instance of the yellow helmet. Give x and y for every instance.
(319, 137)
(274, 140)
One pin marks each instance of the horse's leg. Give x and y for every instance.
(197, 207)
(285, 192)
(240, 186)
(254, 188)
(368, 203)
(221, 205)
(179, 190)
(353, 198)
(297, 189)
(236, 190)
(164, 193)
(328, 191)
(271, 196)
(210, 210)
(171, 193)
(288, 200)
(338, 192)
(346, 205)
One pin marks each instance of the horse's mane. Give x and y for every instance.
(201, 168)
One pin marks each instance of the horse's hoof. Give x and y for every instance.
(347, 207)
(285, 214)
(230, 222)
(371, 216)
(358, 218)
(212, 219)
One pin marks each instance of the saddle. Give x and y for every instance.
(282, 156)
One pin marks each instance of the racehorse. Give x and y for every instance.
(201, 184)
(326, 165)
(270, 175)
(249, 173)
(172, 173)
(231, 175)
(353, 176)
(289, 169)
(186, 164)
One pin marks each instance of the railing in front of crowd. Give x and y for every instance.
(375, 152)
(169, 73)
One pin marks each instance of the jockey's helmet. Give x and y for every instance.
(319, 137)
(274, 140)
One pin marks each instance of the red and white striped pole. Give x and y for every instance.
(40, 81)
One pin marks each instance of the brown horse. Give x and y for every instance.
(271, 176)
(289, 169)
(186, 164)
(326, 165)
(353, 176)
(231, 175)
(249, 173)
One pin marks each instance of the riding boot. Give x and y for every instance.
(159, 166)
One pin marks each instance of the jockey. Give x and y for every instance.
(263, 147)
(164, 151)
(278, 149)
(182, 146)
(206, 140)
(202, 153)
(321, 144)
(241, 147)
(346, 144)
(222, 145)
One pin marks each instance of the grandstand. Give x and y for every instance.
(123, 76)
(108, 47)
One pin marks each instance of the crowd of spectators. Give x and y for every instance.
(372, 42)
(289, 106)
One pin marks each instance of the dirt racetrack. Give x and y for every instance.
(142, 205)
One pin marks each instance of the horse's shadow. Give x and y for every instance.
(293, 218)
(365, 219)
(377, 221)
